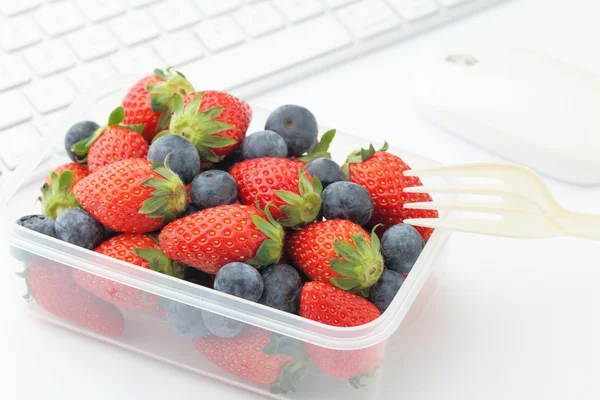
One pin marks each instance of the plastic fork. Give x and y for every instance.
(498, 199)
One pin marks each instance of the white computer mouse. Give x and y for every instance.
(525, 106)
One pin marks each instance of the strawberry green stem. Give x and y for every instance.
(295, 370)
(303, 208)
(159, 262)
(173, 83)
(57, 196)
(358, 156)
(168, 200)
(321, 149)
(269, 252)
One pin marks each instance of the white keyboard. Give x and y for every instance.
(52, 51)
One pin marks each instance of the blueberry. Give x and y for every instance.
(327, 170)
(283, 286)
(229, 161)
(190, 209)
(39, 223)
(383, 291)
(296, 125)
(347, 200)
(213, 188)
(109, 233)
(79, 131)
(78, 227)
(402, 245)
(187, 320)
(221, 326)
(241, 280)
(264, 144)
(184, 159)
(194, 275)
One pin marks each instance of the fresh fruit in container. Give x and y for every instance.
(215, 122)
(78, 227)
(133, 195)
(296, 125)
(213, 188)
(263, 144)
(184, 159)
(216, 236)
(347, 200)
(76, 133)
(57, 193)
(294, 194)
(282, 288)
(380, 173)
(112, 142)
(148, 101)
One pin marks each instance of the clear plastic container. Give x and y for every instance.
(147, 330)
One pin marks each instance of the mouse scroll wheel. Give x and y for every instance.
(464, 59)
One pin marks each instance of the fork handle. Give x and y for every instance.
(580, 225)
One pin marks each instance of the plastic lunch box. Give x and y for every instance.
(148, 331)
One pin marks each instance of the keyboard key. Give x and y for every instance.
(219, 33)
(175, 14)
(13, 72)
(18, 32)
(139, 60)
(20, 110)
(338, 3)
(412, 10)
(215, 7)
(50, 94)
(49, 58)
(178, 48)
(299, 10)
(59, 18)
(91, 43)
(99, 10)
(134, 28)
(87, 75)
(311, 39)
(141, 3)
(368, 18)
(12, 7)
(452, 3)
(259, 19)
(16, 143)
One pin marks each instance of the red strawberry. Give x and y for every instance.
(216, 236)
(257, 356)
(54, 289)
(112, 142)
(80, 171)
(147, 102)
(215, 122)
(130, 248)
(295, 195)
(381, 174)
(132, 196)
(57, 194)
(329, 305)
(338, 252)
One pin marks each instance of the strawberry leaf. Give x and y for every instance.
(116, 116)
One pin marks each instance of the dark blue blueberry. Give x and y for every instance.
(228, 162)
(347, 200)
(39, 223)
(327, 170)
(296, 125)
(79, 131)
(194, 275)
(221, 326)
(187, 320)
(184, 159)
(264, 144)
(109, 233)
(190, 209)
(78, 227)
(241, 280)
(383, 291)
(283, 287)
(213, 188)
(402, 245)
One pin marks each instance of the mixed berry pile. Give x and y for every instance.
(172, 182)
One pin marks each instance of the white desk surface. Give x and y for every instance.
(509, 319)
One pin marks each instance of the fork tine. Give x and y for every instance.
(508, 203)
(475, 189)
(482, 227)
(474, 170)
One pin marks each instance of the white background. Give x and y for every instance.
(509, 319)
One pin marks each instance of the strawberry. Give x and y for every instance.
(213, 237)
(80, 171)
(257, 356)
(134, 248)
(147, 102)
(295, 195)
(329, 305)
(57, 194)
(132, 196)
(55, 290)
(215, 122)
(112, 142)
(338, 252)
(381, 174)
